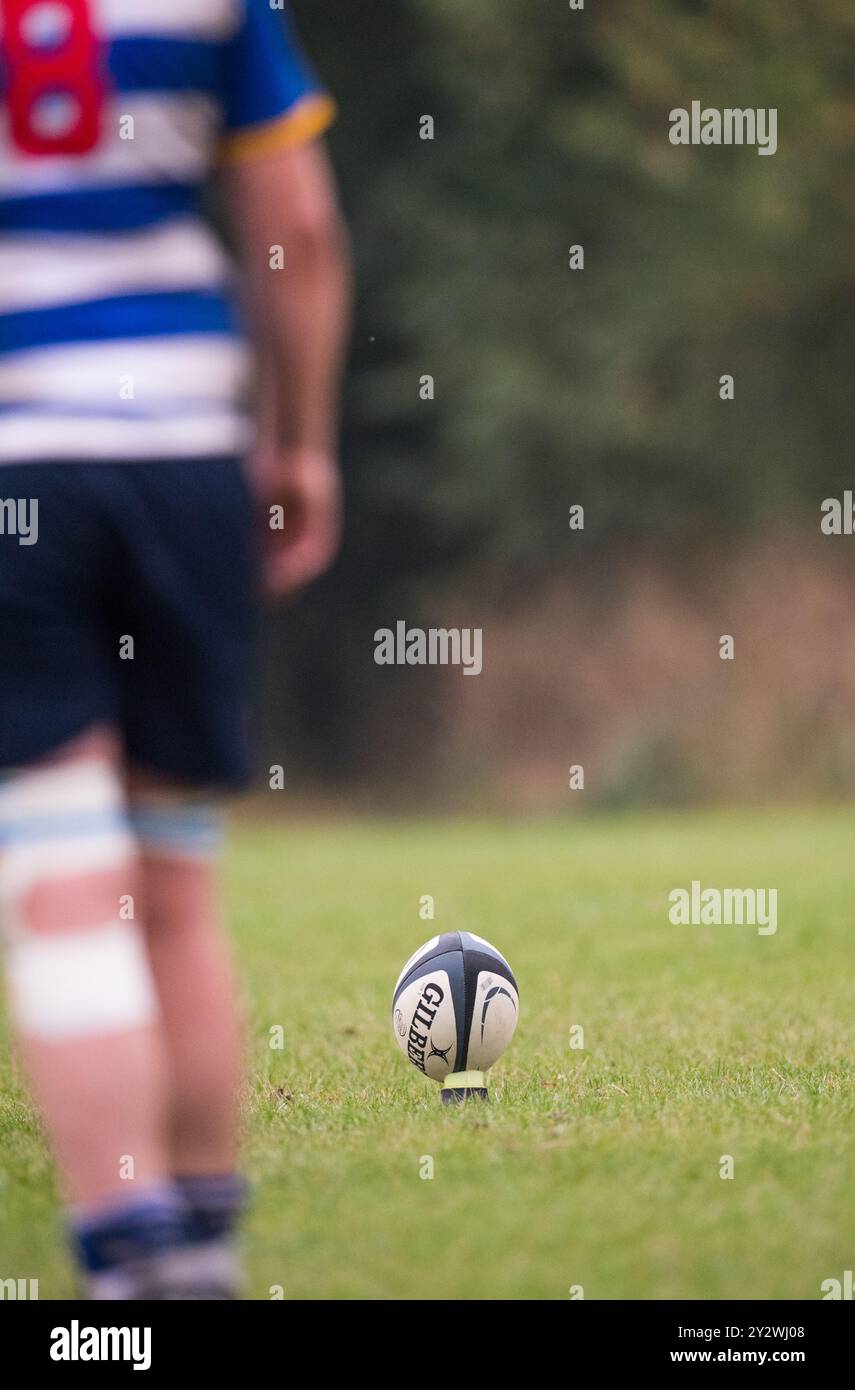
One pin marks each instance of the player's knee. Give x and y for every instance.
(75, 961)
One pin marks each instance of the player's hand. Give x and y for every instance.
(301, 496)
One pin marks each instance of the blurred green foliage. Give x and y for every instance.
(600, 386)
(551, 129)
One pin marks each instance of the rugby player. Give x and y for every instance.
(161, 412)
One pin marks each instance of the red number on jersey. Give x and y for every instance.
(55, 87)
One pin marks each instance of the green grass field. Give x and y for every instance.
(596, 1167)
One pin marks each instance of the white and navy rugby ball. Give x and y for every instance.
(455, 1006)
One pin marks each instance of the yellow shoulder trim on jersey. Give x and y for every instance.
(310, 117)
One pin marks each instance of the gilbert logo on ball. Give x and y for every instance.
(454, 1011)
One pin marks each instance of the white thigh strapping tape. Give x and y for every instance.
(73, 787)
(59, 822)
(83, 984)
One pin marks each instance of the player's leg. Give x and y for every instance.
(83, 1004)
(72, 889)
(179, 837)
(81, 996)
(187, 532)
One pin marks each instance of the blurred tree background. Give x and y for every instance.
(598, 386)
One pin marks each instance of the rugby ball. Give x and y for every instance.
(454, 1011)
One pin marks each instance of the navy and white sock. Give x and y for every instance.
(170, 1242)
(215, 1203)
(119, 1243)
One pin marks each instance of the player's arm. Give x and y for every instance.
(299, 309)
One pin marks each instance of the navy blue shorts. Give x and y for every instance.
(159, 552)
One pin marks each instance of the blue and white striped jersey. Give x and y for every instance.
(118, 333)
